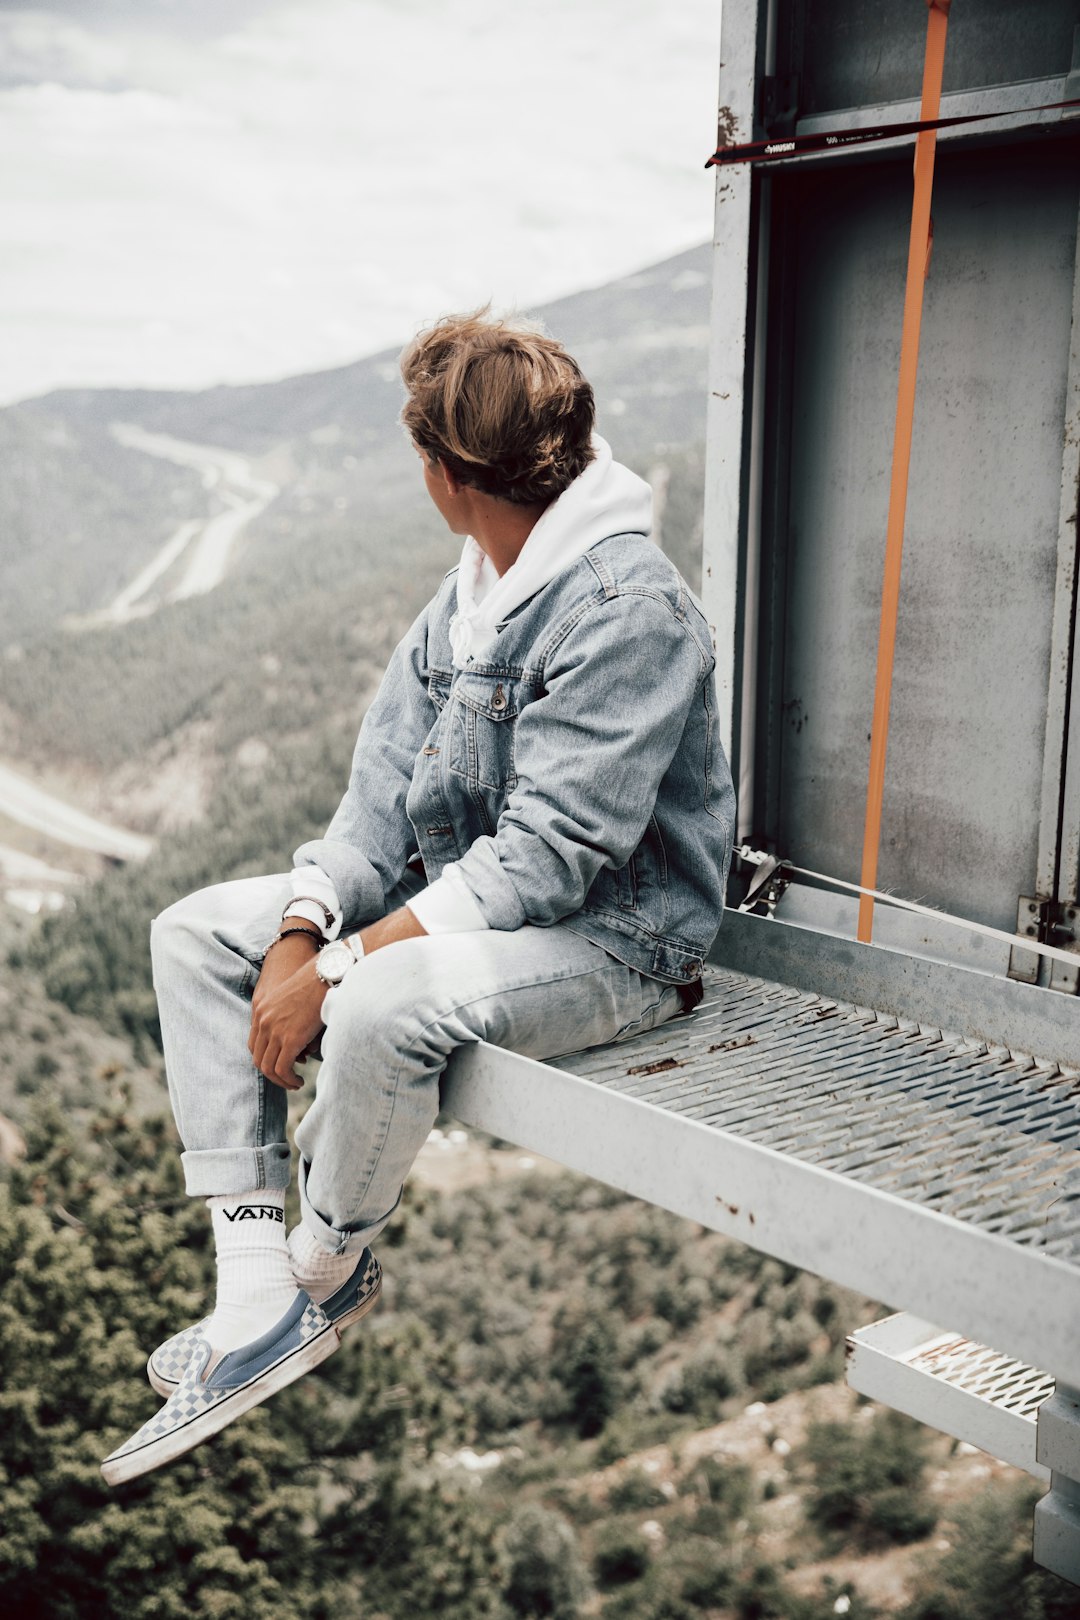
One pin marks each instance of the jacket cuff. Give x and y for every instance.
(356, 884)
(447, 906)
(496, 897)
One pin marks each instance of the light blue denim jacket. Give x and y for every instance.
(575, 774)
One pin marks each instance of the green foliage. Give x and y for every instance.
(311, 1506)
(867, 1483)
(706, 1574)
(418, 1550)
(98, 1262)
(725, 1492)
(988, 1572)
(545, 1574)
(618, 1439)
(703, 1384)
(621, 1555)
(635, 1491)
(586, 1358)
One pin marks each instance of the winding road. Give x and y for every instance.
(33, 807)
(202, 545)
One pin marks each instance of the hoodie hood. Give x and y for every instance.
(606, 499)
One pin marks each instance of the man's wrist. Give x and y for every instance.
(308, 908)
(295, 930)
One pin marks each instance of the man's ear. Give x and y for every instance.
(454, 486)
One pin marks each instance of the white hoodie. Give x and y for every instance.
(607, 498)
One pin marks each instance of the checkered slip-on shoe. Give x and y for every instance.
(353, 1300)
(216, 1388)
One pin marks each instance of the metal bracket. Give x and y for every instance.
(769, 881)
(1057, 1515)
(1032, 920)
(1051, 923)
(1061, 930)
(778, 103)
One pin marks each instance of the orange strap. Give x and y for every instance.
(918, 265)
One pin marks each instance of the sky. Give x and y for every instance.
(203, 191)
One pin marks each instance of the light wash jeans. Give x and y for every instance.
(391, 1025)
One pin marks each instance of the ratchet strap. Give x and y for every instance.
(834, 140)
(918, 264)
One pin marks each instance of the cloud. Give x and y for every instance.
(319, 180)
(36, 48)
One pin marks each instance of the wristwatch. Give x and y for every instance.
(334, 961)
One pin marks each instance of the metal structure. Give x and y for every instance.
(901, 1117)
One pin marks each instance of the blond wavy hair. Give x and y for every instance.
(500, 404)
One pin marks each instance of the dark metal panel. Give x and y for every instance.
(966, 743)
(859, 51)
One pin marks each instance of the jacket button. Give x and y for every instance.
(498, 699)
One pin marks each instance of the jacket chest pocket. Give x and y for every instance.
(485, 710)
(438, 686)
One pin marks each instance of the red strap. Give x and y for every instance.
(918, 258)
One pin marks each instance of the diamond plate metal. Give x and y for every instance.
(1006, 1383)
(979, 1133)
(979, 1395)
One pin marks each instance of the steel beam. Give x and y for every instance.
(726, 419)
(1024, 1302)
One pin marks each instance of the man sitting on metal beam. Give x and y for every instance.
(532, 850)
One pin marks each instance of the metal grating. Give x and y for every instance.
(980, 1395)
(987, 1136)
(1007, 1384)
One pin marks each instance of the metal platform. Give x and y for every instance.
(961, 1388)
(929, 1170)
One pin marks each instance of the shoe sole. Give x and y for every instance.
(157, 1453)
(162, 1387)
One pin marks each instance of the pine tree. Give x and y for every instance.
(98, 1262)
(320, 1505)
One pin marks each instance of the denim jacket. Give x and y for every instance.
(575, 775)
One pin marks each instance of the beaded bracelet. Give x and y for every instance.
(284, 934)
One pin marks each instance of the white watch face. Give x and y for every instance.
(334, 961)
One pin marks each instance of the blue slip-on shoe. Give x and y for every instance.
(168, 1363)
(216, 1388)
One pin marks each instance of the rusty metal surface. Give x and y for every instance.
(971, 1132)
(980, 1371)
(980, 1395)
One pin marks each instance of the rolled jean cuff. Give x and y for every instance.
(214, 1172)
(348, 1241)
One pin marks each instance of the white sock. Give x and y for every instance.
(317, 1271)
(255, 1284)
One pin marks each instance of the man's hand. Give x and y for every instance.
(286, 1010)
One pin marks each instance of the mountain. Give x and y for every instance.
(640, 340)
(193, 575)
